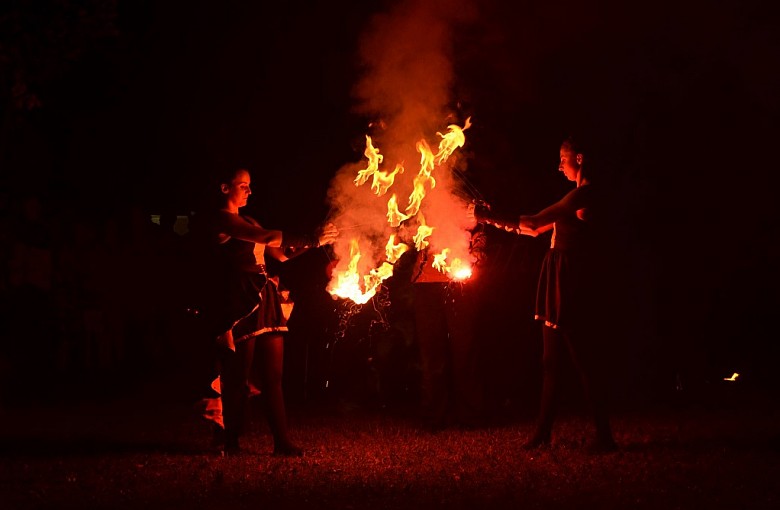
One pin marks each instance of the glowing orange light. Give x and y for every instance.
(394, 251)
(394, 216)
(382, 180)
(460, 270)
(426, 160)
(440, 260)
(423, 231)
(347, 283)
(451, 141)
(422, 178)
(457, 270)
(353, 278)
(374, 160)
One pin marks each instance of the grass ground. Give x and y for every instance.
(133, 452)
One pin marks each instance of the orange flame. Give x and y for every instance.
(394, 216)
(423, 176)
(423, 231)
(374, 160)
(451, 141)
(382, 180)
(348, 283)
(394, 251)
(458, 270)
(426, 159)
(439, 260)
(415, 199)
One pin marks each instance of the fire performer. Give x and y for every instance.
(243, 309)
(572, 274)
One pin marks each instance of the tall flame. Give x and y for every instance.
(394, 251)
(394, 216)
(382, 180)
(348, 282)
(451, 141)
(422, 178)
(423, 231)
(374, 160)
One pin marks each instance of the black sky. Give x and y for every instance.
(185, 87)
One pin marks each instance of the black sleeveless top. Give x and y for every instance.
(232, 281)
(573, 233)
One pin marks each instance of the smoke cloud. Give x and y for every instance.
(405, 92)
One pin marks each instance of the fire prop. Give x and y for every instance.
(381, 230)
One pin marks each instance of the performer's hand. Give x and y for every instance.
(226, 340)
(470, 212)
(480, 211)
(527, 232)
(328, 234)
(527, 223)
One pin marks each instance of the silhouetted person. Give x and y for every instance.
(243, 309)
(569, 295)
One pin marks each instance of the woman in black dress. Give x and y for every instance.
(243, 310)
(569, 284)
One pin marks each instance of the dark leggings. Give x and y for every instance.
(237, 368)
(584, 355)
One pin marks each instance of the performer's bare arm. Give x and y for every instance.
(571, 203)
(232, 225)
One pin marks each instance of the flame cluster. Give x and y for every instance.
(404, 225)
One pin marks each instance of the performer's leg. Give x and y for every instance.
(586, 356)
(273, 394)
(235, 389)
(551, 364)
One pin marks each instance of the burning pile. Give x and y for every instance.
(376, 231)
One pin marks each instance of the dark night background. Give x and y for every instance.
(113, 105)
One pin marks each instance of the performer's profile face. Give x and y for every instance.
(570, 163)
(239, 190)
